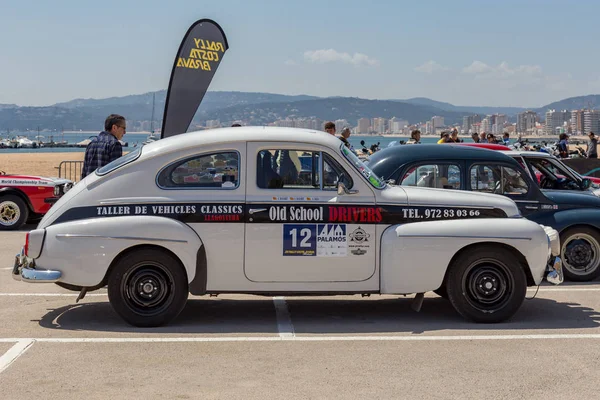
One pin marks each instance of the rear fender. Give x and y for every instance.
(415, 257)
(93, 244)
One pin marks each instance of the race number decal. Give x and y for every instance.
(299, 240)
(321, 240)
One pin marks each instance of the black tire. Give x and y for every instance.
(442, 291)
(34, 218)
(13, 212)
(580, 254)
(486, 284)
(148, 288)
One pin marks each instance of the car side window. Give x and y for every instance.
(299, 169)
(214, 171)
(498, 179)
(442, 176)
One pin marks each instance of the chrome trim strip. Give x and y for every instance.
(465, 237)
(76, 235)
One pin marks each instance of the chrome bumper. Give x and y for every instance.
(554, 271)
(24, 270)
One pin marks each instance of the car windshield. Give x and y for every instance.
(361, 167)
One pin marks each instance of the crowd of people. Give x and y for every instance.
(106, 147)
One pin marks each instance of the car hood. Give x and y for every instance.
(447, 197)
(573, 197)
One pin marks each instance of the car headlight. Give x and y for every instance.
(56, 190)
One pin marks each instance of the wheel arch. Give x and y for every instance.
(502, 246)
(136, 248)
(11, 190)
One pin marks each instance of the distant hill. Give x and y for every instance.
(333, 108)
(252, 108)
(573, 103)
(509, 111)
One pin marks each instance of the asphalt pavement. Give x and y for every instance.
(251, 347)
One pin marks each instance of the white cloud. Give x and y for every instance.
(430, 67)
(503, 70)
(331, 55)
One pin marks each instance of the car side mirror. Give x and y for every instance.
(586, 183)
(343, 190)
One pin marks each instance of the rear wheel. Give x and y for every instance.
(580, 253)
(148, 288)
(486, 285)
(13, 212)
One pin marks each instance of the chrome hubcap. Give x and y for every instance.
(9, 213)
(581, 254)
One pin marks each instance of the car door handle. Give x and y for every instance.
(531, 207)
(256, 210)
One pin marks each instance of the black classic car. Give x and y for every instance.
(574, 214)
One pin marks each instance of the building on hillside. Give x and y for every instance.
(364, 126)
(526, 121)
(591, 121)
(556, 119)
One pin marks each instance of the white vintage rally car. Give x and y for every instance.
(279, 211)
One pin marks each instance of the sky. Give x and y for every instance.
(521, 53)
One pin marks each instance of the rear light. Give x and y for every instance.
(26, 248)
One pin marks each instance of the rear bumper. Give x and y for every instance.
(24, 270)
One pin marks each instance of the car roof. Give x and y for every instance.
(490, 146)
(539, 154)
(187, 140)
(386, 161)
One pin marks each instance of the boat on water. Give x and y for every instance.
(24, 142)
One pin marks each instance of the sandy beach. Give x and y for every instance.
(42, 164)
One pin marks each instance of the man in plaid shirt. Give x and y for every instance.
(106, 146)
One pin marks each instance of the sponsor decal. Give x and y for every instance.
(320, 240)
(331, 240)
(25, 182)
(358, 214)
(359, 235)
(359, 241)
(286, 213)
(189, 213)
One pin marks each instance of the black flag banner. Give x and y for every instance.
(197, 60)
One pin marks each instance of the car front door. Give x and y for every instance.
(298, 229)
(507, 180)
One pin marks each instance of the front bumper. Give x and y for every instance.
(24, 270)
(51, 200)
(554, 272)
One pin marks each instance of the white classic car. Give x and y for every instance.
(279, 211)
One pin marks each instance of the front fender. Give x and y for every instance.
(562, 220)
(415, 257)
(83, 250)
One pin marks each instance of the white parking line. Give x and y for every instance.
(15, 352)
(406, 338)
(284, 322)
(53, 294)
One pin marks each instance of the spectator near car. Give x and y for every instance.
(106, 147)
(592, 148)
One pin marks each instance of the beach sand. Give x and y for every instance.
(42, 164)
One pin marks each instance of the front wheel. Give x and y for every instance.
(13, 212)
(580, 252)
(148, 288)
(486, 285)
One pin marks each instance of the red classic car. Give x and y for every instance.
(25, 199)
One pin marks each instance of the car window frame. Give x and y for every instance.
(405, 168)
(524, 175)
(322, 155)
(180, 161)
